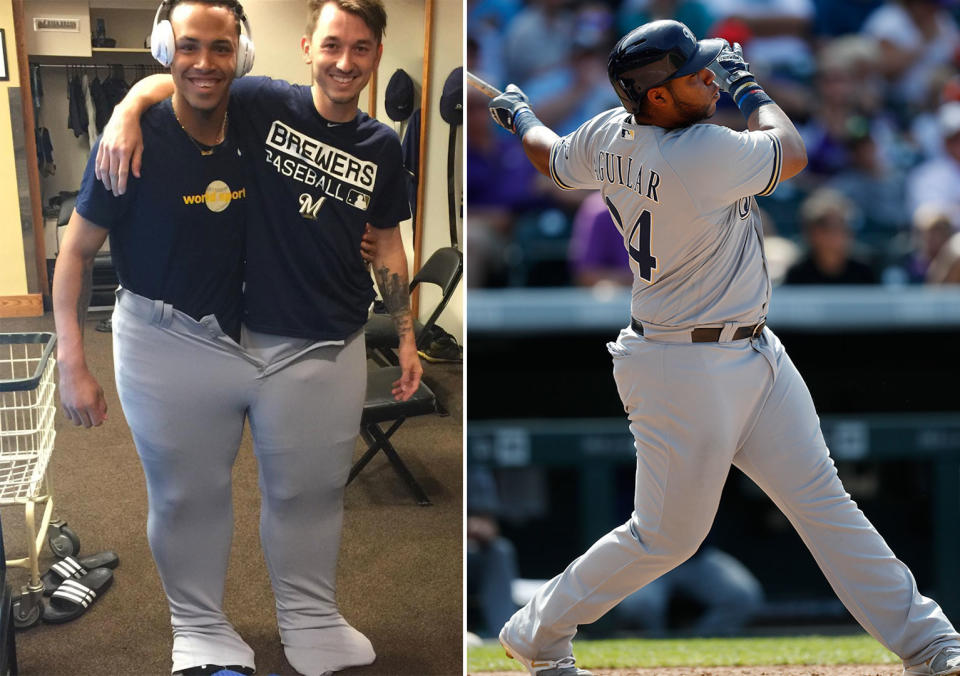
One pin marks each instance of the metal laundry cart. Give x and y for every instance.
(27, 409)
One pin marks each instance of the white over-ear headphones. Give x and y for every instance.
(163, 45)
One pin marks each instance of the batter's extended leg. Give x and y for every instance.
(787, 457)
(685, 436)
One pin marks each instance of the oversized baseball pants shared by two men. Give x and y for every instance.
(695, 409)
(186, 389)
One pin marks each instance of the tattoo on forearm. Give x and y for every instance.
(86, 293)
(396, 298)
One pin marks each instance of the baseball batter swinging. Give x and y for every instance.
(705, 384)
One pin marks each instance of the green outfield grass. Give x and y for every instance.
(705, 652)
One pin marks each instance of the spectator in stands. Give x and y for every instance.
(781, 252)
(915, 37)
(950, 272)
(491, 558)
(486, 22)
(925, 124)
(774, 34)
(538, 38)
(726, 589)
(877, 189)
(834, 18)
(695, 14)
(577, 89)
(596, 254)
(501, 183)
(857, 143)
(826, 217)
(945, 268)
(937, 181)
(935, 246)
(847, 100)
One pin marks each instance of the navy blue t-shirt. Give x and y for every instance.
(178, 233)
(319, 182)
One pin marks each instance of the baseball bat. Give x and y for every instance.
(484, 87)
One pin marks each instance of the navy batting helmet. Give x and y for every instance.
(653, 54)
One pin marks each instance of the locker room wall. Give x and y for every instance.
(13, 276)
(129, 27)
(58, 43)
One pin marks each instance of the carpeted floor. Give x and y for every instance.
(400, 566)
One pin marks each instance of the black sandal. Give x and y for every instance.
(75, 567)
(73, 597)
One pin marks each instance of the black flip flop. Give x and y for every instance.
(71, 567)
(73, 597)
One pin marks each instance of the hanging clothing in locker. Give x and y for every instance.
(77, 118)
(41, 134)
(116, 86)
(36, 84)
(410, 148)
(44, 152)
(91, 111)
(100, 103)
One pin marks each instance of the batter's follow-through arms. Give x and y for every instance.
(510, 109)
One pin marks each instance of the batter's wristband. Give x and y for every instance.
(749, 96)
(523, 121)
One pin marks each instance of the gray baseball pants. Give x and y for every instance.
(186, 389)
(695, 409)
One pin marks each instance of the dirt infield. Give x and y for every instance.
(838, 670)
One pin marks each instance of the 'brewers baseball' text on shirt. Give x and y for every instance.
(683, 201)
(319, 183)
(177, 234)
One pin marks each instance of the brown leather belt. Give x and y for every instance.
(711, 335)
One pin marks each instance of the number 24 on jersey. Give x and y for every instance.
(638, 241)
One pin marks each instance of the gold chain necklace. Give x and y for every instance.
(204, 149)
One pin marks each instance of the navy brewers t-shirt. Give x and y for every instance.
(319, 182)
(178, 233)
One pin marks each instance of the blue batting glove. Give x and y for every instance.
(504, 108)
(729, 67)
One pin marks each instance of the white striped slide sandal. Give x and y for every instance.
(73, 597)
(76, 567)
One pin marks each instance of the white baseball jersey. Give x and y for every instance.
(683, 200)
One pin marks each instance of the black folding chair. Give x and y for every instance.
(444, 268)
(381, 407)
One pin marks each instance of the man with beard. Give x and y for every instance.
(704, 383)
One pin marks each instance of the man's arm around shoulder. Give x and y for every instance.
(121, 144)
(81, 396)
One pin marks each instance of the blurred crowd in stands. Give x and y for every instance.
(872, 85)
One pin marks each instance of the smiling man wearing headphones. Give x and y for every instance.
(177, 239)
(320, 171)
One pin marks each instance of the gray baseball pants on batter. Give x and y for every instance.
(186, 389)
(695, 409)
